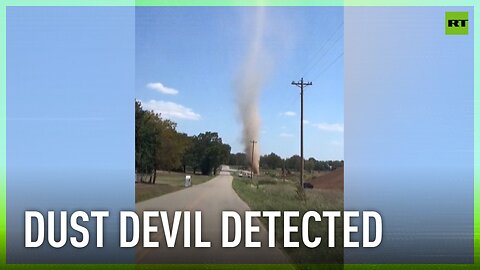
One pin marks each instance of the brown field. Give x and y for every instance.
(332, 181)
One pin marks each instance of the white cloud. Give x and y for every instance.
(170, 110)
(306, 122)
(286, 135)
(330, 127)
(289, 113)
(162, 88)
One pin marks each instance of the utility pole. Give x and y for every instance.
(302, 85)
(253, 151)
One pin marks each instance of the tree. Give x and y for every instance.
(271, 161)
(206, 152)
(293, 163)
(187, 157)
(144, 140)
(170, 147)
(238, 159)
(218, 154)
(158, 145)
(211, 152)
(310, 164)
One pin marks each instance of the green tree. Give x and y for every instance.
(310, 164)
(271, 161)
(170, 146)
(145, 139)
(211, 152)
(158, 145)
(293, 163)
(237, 159)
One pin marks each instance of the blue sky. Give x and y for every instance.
(187, 59)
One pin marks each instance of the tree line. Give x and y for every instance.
(274, 161)
(159, 146)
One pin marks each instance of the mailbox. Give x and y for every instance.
(188, 180)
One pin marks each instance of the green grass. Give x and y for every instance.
(166, 182)
(275, 194)
(293, 175)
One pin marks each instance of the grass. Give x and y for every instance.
(280, 195)
(166, 182)
(293, 175)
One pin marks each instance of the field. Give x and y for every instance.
(166, 182)
(330, 181)
(269, 193)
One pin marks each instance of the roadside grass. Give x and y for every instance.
(275, 194)
(166, 182)
(292, 175)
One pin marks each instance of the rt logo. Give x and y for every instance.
(456, 23)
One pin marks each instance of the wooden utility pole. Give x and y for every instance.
(253, 151)
(302, 85)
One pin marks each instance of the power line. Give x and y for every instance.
(329, 65)
(323, 46)
(323, 55)
(312, 64)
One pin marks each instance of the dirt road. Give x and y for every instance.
(211, 198)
